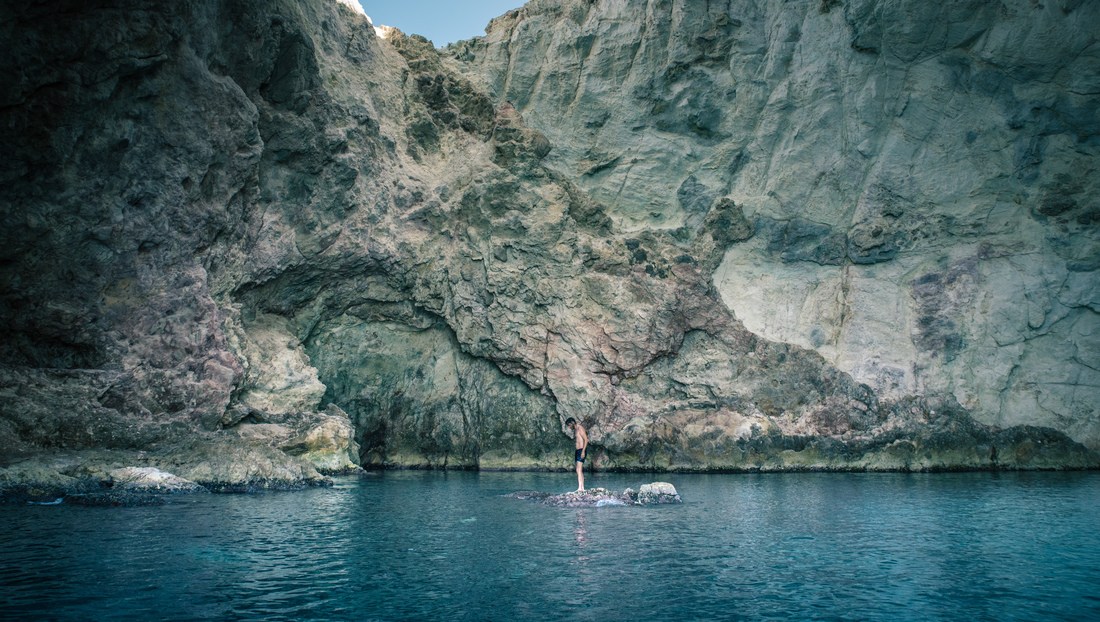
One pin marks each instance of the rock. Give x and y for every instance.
(115, 499)
(647, 494)
(250, 243)
(150, 479)
(657, 492)
(278, 378)
(915, 161)
(222, 465)
(657, 488)
(328, 443)
(38, 480)
(89, 478)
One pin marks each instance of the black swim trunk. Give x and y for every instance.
(579, 456)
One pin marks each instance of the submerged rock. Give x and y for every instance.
(647, 494)
(115, 498)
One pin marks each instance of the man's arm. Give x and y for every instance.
(584, 440)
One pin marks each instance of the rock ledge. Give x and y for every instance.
(648, 494)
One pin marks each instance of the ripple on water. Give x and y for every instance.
(450, 546)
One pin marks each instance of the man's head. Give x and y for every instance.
(570, 423)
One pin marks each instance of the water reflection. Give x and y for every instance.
(580, 530)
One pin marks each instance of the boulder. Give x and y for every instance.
(151, 479)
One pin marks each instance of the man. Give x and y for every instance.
(581, 438)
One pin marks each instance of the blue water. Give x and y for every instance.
(449, 546)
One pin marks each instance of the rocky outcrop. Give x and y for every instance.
(657, 493)
(251, 243)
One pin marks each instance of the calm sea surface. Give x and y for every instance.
(449, 546)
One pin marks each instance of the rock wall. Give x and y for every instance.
(920, 179)
(250, 243)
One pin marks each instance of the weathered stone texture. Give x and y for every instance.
(250, 243)
(921, 178)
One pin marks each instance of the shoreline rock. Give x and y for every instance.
(656, 493)
(124, 478)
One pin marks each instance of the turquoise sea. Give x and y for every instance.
(408, 545)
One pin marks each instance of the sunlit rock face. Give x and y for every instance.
(250, 243)
(921, 180)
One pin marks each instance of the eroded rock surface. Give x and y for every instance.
(919, 180)
(656, 493)
(251, 243)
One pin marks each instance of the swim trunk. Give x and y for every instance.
(579, 456)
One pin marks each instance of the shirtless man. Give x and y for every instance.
(581, 438)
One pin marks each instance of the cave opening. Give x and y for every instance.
(416, 399)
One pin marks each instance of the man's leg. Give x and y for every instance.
(580, 476)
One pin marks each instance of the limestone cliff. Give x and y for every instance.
(919, 181)
(249, 243)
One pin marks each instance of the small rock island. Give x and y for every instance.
(647, 494)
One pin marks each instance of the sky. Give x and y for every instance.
(441, 21)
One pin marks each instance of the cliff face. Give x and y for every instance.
(250, 243)
(920, 180)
